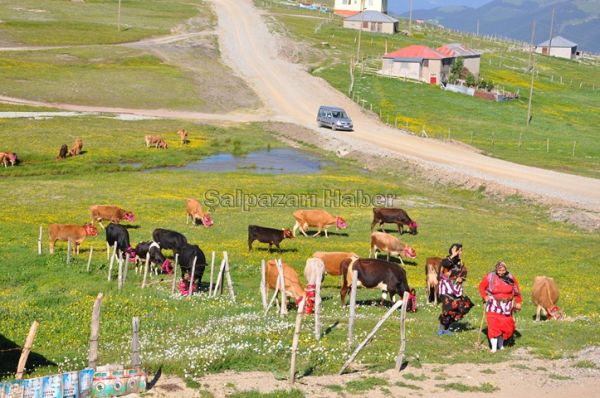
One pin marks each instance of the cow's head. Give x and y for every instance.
(90, 230)
(409, 252)
(129, 216)
(412, 227)
(163, 144)
(167, 267)
(340, 223)
(207, 220)
(132, 254)
(13, 158)
(287, 233)
(555, 313)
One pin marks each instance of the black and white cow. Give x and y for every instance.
(372, 273)
(170, 240)
(156, 257)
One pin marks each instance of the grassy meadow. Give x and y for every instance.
(57, 22)
(189, 337)
(564, 103)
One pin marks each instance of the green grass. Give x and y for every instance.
(585, 364)
(412, 376)
(407, 385)
(101, 76)
(192, 337)
(562, 113)
(58, 22)
(294, 393)
(483, 387)
(364, 384)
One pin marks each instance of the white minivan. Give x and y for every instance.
(333, 117)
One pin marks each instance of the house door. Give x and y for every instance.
(545, 50)
(433, 79)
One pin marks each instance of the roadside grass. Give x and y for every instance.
(57, 22)
(365, 384)
(412, 376)
(407, 385)
(293, 393)
(101, 76)
(190, 337)
(483, 387)
(585, 364)
(563, 113)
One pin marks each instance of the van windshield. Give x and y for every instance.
(339, 115)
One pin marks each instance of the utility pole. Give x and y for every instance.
(477, 26)
(410, 17)
(532, 71)
(119, 17)
(551, 32)
(357, 60)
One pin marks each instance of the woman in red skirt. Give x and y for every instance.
(501, 293)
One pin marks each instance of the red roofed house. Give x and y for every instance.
(418, 63)
(471, 59)
(348, 8)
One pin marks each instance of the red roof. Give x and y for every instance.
(417, 52)
(345, 13)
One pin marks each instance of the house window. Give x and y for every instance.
(365, 24)
(426, 63)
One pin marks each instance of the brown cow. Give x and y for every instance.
(432, 272)
(316, 218)
(391, 245)
(62, 152)
(155, 141)
(113, 214)
(8, 157)
(75, 233)
(545, 296)
(76, 148)
(293, 287)
(333, 260)
(196, 213)
(183, 135)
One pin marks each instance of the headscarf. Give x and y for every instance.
(507, 277)
(457, 245)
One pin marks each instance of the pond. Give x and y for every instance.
(274, 161)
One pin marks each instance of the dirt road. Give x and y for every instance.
(293, 95)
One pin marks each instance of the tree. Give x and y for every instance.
(456, 69)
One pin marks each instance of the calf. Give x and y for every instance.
(391, 245)
(432, 272)
(170, 240)
(399, 217)
(156, 257)
(116, 233)
(8, 157)
(183, 135)
(373, 273)
(73, 232)
(293, 287)
(196, 213)
(76, 148)
(333, 260)
(271, 236)
(113, 214)
(316, 218)
(187, 253)
(155, 141)
(545, 296)
(63, 152)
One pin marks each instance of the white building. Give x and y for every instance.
(558, 47)
(372, 21)
(348, 8)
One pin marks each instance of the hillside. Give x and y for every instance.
(576, 20)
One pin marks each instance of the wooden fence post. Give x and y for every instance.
(120, 274)
(274, 298)
(135, 344)
(212, 270)
(263, 284)
(93, 354)
(283, 309)
(228, 275)
(146, 269)
(400, 358)
(191, 290)
(295, 340)
(125, 269)
(219, 282)
(370, 335)
(40, 241)
(573, 153)
(174, 274)
(352, 308)
(112, 259)
(26, 350)
(68, 251)
(89, 263)
(318, 305)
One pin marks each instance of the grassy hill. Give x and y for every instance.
(566, 94)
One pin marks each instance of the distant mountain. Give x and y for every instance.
(576, 20)
(398, 7)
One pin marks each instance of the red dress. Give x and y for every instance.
(499, 310)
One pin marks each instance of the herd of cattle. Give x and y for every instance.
(388, 276)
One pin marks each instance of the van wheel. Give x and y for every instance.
(333, 127)
(320, 124)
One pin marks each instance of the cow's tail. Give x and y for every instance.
(349, 271)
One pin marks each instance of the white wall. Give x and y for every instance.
(354, 5)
